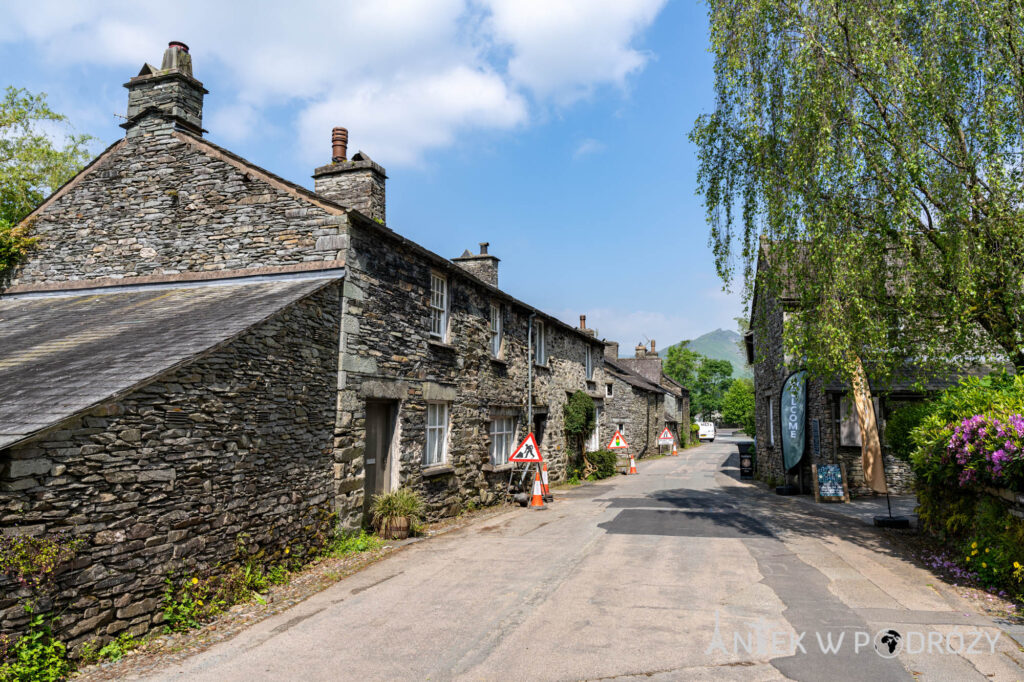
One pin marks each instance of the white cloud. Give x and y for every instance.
(405, 77)
(587, 147)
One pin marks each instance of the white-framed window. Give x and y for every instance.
(495, 330)
(437, 434)
(438, 306)
(503, 439)
(595, 436)
(590, 363)
(608, 390)
(540, 353)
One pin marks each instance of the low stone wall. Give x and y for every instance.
(167, 480)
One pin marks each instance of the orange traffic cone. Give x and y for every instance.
(545, 490)
(632, 465)
(538, 497)
(675, 450)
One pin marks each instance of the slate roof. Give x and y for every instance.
(65, 352)
(631, 377)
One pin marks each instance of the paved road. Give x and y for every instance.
(680, 572)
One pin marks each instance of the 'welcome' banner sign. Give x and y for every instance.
(793, 403)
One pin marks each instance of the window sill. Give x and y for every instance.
(507, 466)
(438, 343)
(499, 361)
(437, 470)
(540, 366)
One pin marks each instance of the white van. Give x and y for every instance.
(707, 431)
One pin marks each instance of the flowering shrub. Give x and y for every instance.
(989, 450)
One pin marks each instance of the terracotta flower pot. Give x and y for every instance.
(396, 528)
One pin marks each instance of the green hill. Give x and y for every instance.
(720, 344)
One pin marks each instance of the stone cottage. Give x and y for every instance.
(637, 404)
(833, 435)
(648, 364)
(201, 358)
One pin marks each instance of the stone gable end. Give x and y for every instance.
(172, 204)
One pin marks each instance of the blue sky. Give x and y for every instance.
(554, 129)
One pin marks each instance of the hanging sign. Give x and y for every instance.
(793, 403)
(617, 442)
(528, 451)
(666, 437)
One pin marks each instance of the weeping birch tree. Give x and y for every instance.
(874, 148)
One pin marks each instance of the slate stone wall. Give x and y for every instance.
(236, 444)
(159, 204)
(388, 354)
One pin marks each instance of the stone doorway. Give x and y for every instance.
(380, 454)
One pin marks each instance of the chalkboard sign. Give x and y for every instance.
(830, 483)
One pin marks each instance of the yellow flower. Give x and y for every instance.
(968, 558)
(199, 601)
(984, 565)
(986, 550)
(1016, 564)
(974, 545)
(286, 550)
(195, 581)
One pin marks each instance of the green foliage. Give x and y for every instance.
(900, 424)
(738, 405)
(36, 656)
(861, 141)
(603, 464)
(580, 418)
(998, 395)
(34, 561)
(30, 166)
(681, 364)
(354, 543)
(398, 504)
(714, 377)
(14, 244)
(115, 649)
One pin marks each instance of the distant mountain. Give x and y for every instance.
(721, 344)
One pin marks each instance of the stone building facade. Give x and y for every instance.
(230, 359)
(828, 410)
(169, 473)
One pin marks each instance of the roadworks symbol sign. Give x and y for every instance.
(666, 438)
(528, 451)
(617, 442)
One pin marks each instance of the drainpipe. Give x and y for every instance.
(529, 373)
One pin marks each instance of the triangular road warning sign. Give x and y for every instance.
(528, 451)
(666, 437)
(617, 442)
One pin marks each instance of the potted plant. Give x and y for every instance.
(394, 513)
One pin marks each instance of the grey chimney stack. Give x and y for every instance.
(641, 350)
(483, 266)
(357, 183)
(611, 350)
(163, 100)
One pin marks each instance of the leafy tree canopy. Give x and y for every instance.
(32, 165)
(710, 384)
(874, 150)
(738, 405)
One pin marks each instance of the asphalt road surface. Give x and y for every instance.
(681, 572)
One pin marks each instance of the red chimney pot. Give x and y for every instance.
(339, 145)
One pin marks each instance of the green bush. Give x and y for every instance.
(900, 425)
(37, 656)
(603, 462)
